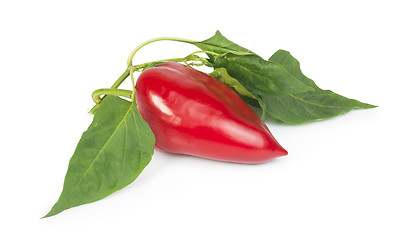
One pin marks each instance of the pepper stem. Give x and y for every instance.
(130, 58)
(110, 91)
(131, 69)
(186, 60)
(115, 85)
(121, 79)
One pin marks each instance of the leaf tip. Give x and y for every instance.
(218, 32)
(371, 106)
(49, 214)
(363, 105)
(284, 51)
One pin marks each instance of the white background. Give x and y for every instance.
(344, 178)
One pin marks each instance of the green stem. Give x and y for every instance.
(207, 52)
(143, 65)
(130, 58)
(121, 79)
(118, 82)
(110, 91)
(191, 57)
(132, 70)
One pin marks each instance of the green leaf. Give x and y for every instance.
(288, 94)
(260, 77)
(222, 75)
(292, 66)
(220, 45)
(113, 151)
(310, 106)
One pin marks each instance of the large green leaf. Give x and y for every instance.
(113, 151)
(297, 108)
(288, 95)
(259, 76)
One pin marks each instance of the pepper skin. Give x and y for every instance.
(193, 113)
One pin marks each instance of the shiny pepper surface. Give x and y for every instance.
(193, 113)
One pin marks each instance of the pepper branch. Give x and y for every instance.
(192, 59)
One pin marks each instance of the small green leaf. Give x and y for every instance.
(222, 75)
(297, 108)
(292, 65)
(113, 151)
(220, 45)
(260, 77)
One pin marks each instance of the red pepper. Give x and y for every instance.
(193, 113)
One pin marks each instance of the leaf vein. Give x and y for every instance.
(314, 104)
